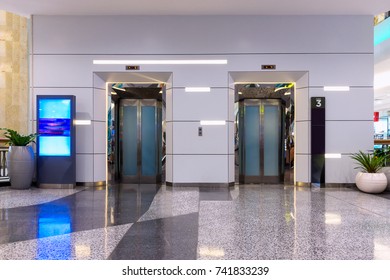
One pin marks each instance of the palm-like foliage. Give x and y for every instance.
(16, 139)
(369, 163)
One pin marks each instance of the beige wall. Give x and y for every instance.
(13, 72)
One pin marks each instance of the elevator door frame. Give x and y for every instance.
(139, 178)
(261, 178)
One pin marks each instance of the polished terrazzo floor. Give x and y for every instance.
(158, 222)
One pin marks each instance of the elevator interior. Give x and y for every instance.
(264, 132)
(135, 133)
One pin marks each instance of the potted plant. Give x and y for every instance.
(370, 179)
(20, 158)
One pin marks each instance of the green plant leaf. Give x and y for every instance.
(16, 139)
(369, 162)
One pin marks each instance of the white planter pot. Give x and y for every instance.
(20, 164)
(371, 182)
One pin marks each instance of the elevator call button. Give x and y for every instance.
(200, 131)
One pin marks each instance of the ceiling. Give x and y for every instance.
(195, 7)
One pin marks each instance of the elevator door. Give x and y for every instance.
(261, 141)
(140, 141)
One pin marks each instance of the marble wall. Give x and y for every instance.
(14, 94)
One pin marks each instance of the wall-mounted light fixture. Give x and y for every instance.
(332, 155)
(163, 61)
(197, 89)
(336, 88)
(82, 122)
(212, 122)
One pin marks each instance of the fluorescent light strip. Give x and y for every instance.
(336, 88)
(212, 122)
(82, 122)
(197, 89)
(165, 62)
(332, 155)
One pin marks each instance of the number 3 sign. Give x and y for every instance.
(318, 102)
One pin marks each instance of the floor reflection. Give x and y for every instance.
(129, 221)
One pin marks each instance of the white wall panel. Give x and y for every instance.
(84, 139)
(302, 104)
(98, 82)
(99, 104)
(200, 169)
(195, 106)
(65, 46)
(168, 105)
(84, 168)
(201, 34)
(348, 136)
(230, 137)
(99, 137)
(231, 169)
(169, 137)
(62, 71)
(231, 106)
(302, 168)
(200, 75)
(168, 168)
(84, 106)
(302, 137)
(99, 168)
(324, 69)
(340, 170)
(356, 104)
(187, 141)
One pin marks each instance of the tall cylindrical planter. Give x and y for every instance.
(20, 165)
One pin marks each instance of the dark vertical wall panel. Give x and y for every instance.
(318, 140)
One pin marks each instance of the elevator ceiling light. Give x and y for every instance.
(287, 93)
(82, 122)
(163, 62)
(212, 122)
(239, 92)
(336, 88)
(332, 155)
(197, 89)
(283, 86)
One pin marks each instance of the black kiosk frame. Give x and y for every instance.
(56, 141)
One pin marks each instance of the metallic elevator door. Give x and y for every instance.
(140, 140)
(261, 141)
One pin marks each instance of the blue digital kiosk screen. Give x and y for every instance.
(54, 127)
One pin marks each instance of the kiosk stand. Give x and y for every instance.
(56, 151)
